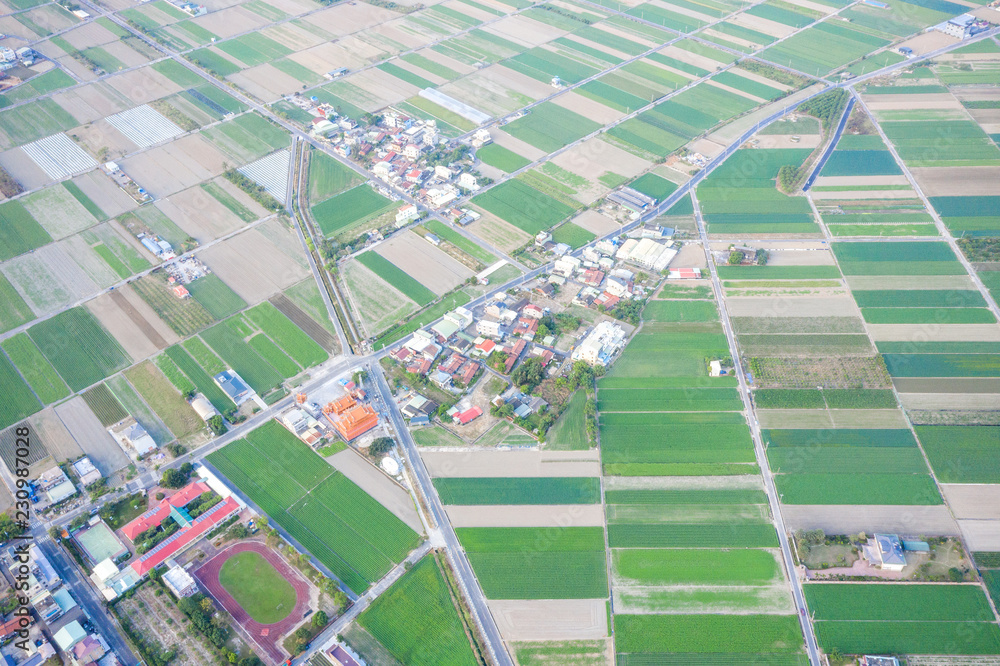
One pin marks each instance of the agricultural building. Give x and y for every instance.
(355, 422)
(646, 253)
(86, 471)
(56, 485)
(603, 342)
(684, 274)
(180, 582)
(132, 437)
(301, 424)
(445, 328)
(962, 26)
(885, 551)
(234, 386)
(632, 200)
(203, 408)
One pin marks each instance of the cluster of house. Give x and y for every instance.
(9, 58)
(524, 405)
(25, 644)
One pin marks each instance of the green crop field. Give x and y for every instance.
(663, 400)
(276, 358)
(675, 443)
(105, 405)
(19, 232)
(164, 399)
(185, 316)
(416, 620)
(943, 603)
(962, 454)
(856, 488)
(549, 126)
(18, 400)
(80, 350)
(257, 587)
(806, 437)
(919, 298)
(569, 432)
(13, 310)
(39, 373)
(502, 158)
(254, 370)
(861, 163)
(676, 566)
(535, 563)
(461, 242)
(654, 186)
(572, 235)
(287, 335)
(843, 460)
(659, 634)
(778, 272)
(900, 258)
(397, 277)
(941, 638)
(197, 376)
(523, 206)
(346, 210)
(341, 525)
(956, 315)
(943, 365)
(841, 45)
(692, 535)
(519, 490)
(206, 357)
(328, 177)
(216, 296)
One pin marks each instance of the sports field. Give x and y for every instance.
(343, 527)
(258, 587)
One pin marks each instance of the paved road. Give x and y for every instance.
(772, 494)
(832, 146)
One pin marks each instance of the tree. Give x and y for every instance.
(206, 605)
(217, 425)
(319, 620)
(302, 635)
(176, 478)
(381, 446)
(529, 374)
(340, 599)
(735, 258)
(956, 575)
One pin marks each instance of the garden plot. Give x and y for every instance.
(58, 211)
(167, 169)
(829, 306)
(100, 135)
(91, 436)
(48, 279)
(58, 156)
(271, 173)
(595, 158)
(144, 126)
(550, 619)
(516, 145)
(266, 82)
(201, 215)
(340, 20)
(253, 266)
(426, 263)
(132, 322)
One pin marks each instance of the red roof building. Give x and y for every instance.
(486, 346)
(685, 273)
(467, 372)
(526, 326)
(355, 422)
(468, 415)
(451, 365)
(593, 277)
(533, 311)
(513, 353)
(419, 368)
(186, 536)
(157, 514)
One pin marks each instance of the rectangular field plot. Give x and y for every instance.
(341, 525)
(398, 278)
(905, 489)
(692, 535)
(841, 45)
(271, 173)
(669, 400)
(941, 142)
(510, 564)
(737, 639)
(943, 365)
(969, 216)
(144, 126)
(241, 357)
(328, 177)
(733, 201)
(416, 620)
(19, 232)
(39, 373)
(194, 375)
(678, 566)
(681, 311)
(78, 348)
(292, 340)
(349, 209)
(19, 401)
(520, 490)
(549, 127)
(962, 454)
(216, 296)
(58, 156)
(898, 258)
(523, 206)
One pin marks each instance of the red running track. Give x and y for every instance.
(267, 637)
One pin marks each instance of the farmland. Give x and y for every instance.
(196, 376)
(215, 296)
(164, 399)
(342, 526)
(416, 620)
(78, 348)
(534, 490)
(398, 278)
(19, 401)
(550, 126)
(523, 206)
(328, 177)
(292, 340)
(343, 212)
(38, 372)
(532, 563)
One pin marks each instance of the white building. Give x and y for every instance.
(481, 138)
(180, 582)
(86, 471)
(601, 344)
(489, 327)
(468, 181)
(406, 214)
(203, 408)
(460, 316)
(566, 266)
(646, 253)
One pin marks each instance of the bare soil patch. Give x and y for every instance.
(534, 515)
(851, 519)
(950, 401)
(791, 306)
(520, 463)
(865, 282)
(958, 181)
(588, 108)
(253, 266)
(545, 619)
(92, 437)
(142, 85)
(935, 332)
(595, 222)
(973, 501)
(928, 41)
(230, 21)
(787, 141)
(200, 214)
(103, 192)
(523, 149)
(800, 258)
(136, 335)
(377, 303)
(502, 235)
(425, 263)
(54, 436)
(981, 534)
(345, 19)
(524, 30)
(375, 482)
(160, 620)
